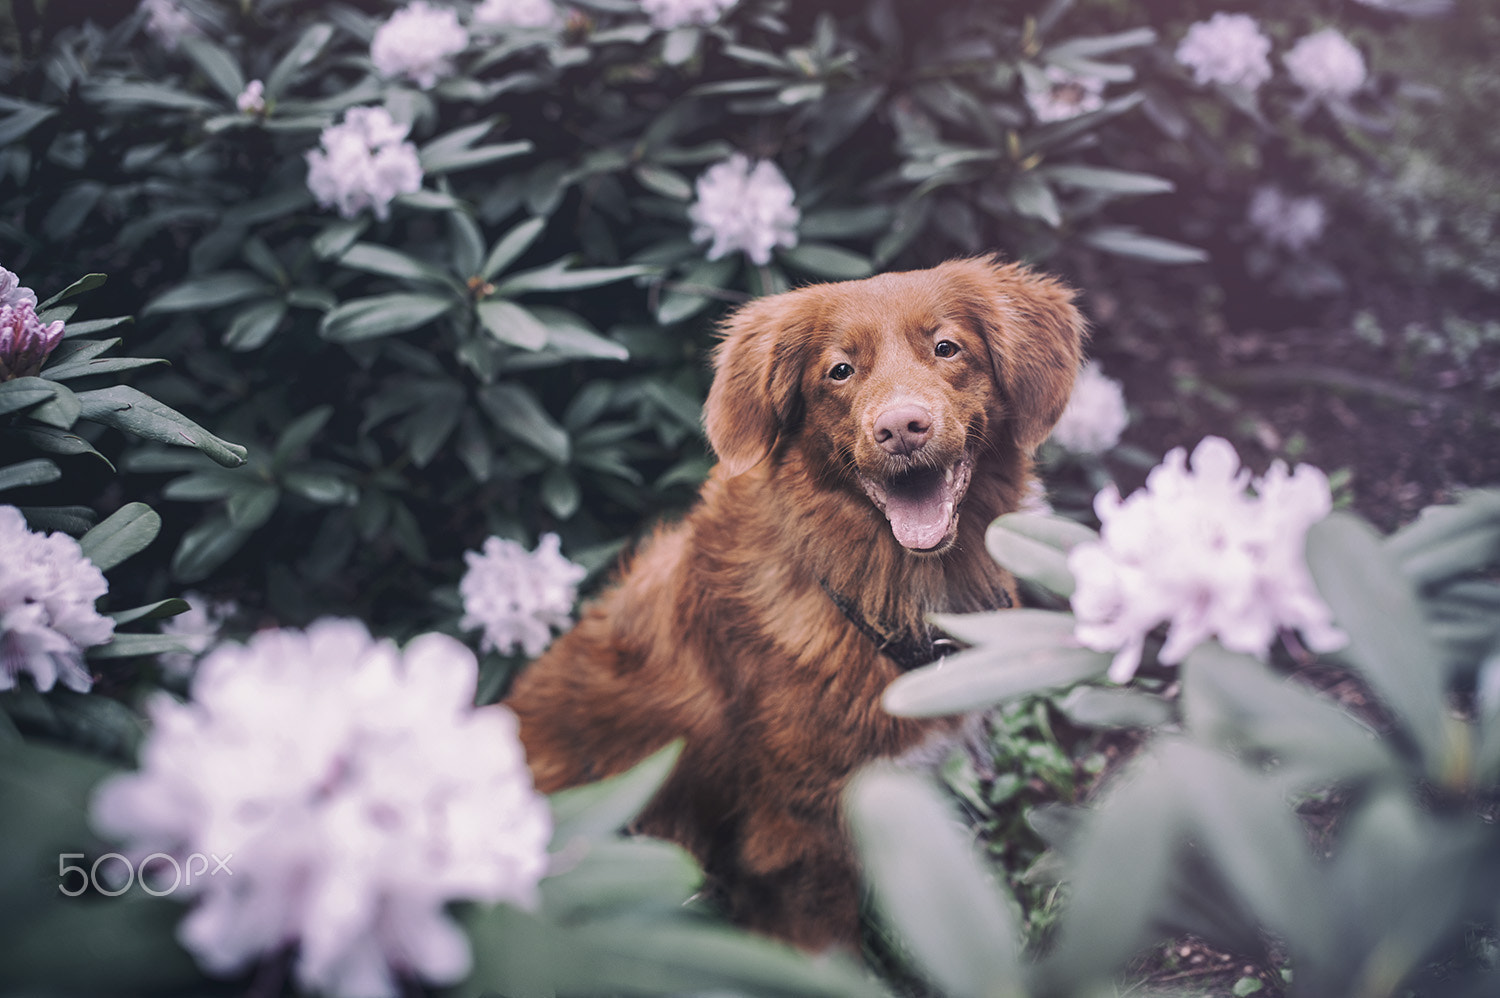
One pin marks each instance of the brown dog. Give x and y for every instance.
(867, 433)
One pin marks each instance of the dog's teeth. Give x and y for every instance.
(948, 476)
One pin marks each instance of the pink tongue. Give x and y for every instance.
(920, 522)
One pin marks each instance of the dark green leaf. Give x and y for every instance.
(554, 278)
(1388, 638)
(217, 64)
(983, 677)
(1128, 242)
(254, 324)
(134, 412)
(137, 645)
(297, 57)
(929, 885)
(1031, 197)
(125, 532)
(824, 260)
(87, 282)
(323, 488)
(38, 471)
(516, 412)
(392, 263)
(101, 365)
(206, 547)
(511, 245)
(382, 315)
(599, 811)
(252, 504)
(210, 291)
(151, 611)
(511, 323)
(23, 393)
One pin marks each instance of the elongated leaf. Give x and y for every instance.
(987, 676)
(99, 365)
(466, 159)
(252, 504)
(1031, 197)
(383, 315)
(1128, 242)
(660, 180)
(60, 411)
(511, 323)
(300, 432)
(622, 875)
(1091, 706)
(1388, 638)
(1009, 632)
(1098, 45)
(136, 645)
(125, 532)
(37, 471)
(137, 413)
(201, 486)
(298, 56)
(1448, 541)
(511, 245)
(1235, 702)
(146, 95)
(151, 611)
(254, 324)
(87, 282)
(23, 393)
(929, 885)
(206, 547)
(1110, 181)
(516, 412)
(14, 126)
(210, 291)
(1035, 548)
(601, 810)
(553, 278)
(217, 64)
(824, 260)
(393, 263)
(54, 441)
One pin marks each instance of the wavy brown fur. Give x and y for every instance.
(720, 631)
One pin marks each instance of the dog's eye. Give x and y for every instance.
(841, 372)
(945, 348)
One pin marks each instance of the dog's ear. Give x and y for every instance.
(756, 394)
(1035, 336)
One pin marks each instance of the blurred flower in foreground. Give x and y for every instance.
(364, 162)
(47, 615)
(1228, 49)
(197, 628)
(1193, 550)
(1291, 222)
(502, 15)
(168, 23)
(740, 207)
(358, 792)
(1326, 65)
(252, 100)
(669, 14)
(518, 598)
(417, 42)
(1095, 416)
(25, 343)
(1066, 95)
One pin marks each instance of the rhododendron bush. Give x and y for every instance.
(404, 337)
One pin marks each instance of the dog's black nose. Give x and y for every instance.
(903, 429)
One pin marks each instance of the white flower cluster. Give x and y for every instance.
(1066, 95)
(1193, 550)
(1326, 65)
(1294, 223)
(47, 615)
(168, 23)
(358, 792)
(197, 628)
(518, 598)
(418, 42)
(668, 14)
(1095, 416)
(364, 162)
(1228, 49)
(511, 15)
(744, 207)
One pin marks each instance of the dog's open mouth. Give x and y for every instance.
(922, 504)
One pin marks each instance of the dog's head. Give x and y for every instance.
(895, 385)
